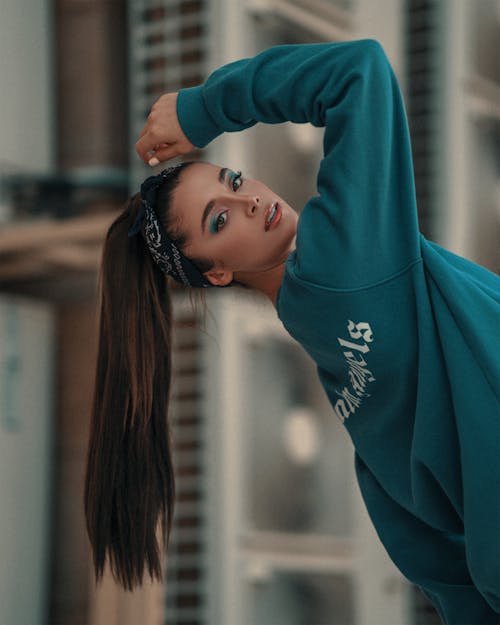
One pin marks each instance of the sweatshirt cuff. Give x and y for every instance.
(194, 118)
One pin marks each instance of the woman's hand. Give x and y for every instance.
(162, 137)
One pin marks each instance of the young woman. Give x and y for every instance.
(404, 333)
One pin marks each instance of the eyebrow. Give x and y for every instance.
(222, 174)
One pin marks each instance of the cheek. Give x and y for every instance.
(240, 249)
(243, 248)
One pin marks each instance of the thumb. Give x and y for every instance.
(163, 154)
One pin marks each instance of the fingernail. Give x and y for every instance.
(153, 162)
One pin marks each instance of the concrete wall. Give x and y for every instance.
(26, 83)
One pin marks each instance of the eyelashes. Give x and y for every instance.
(219, 221)
(236, 177)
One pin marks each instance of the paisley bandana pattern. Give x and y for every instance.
(163, 250)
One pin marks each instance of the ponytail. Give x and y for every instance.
(129, 482)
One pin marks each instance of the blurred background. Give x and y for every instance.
(270, 528)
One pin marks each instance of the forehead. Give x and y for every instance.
(197, 184)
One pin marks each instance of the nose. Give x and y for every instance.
(252, 204)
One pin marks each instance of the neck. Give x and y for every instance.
(267, 282)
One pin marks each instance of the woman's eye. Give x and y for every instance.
(236, 178)
(218, 222)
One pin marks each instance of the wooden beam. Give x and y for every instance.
(21, 268)
(47, 261)
(20, 237)
(77, 257)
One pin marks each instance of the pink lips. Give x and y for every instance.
(276, 218)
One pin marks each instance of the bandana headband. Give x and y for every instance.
(165, 253)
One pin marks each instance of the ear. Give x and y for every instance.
(219, 277)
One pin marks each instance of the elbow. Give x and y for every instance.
(373, 52)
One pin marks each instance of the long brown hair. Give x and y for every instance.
(129, 482)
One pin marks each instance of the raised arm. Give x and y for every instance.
(362, 227)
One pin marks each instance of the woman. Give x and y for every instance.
(403, 332)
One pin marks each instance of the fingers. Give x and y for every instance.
(145, 146)
(161, 137)
(144, 129)
(163, 154)
(154, 153)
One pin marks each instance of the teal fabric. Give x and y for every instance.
(405, 335)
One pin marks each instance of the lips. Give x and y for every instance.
(272, 216)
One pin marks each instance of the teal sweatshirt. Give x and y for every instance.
(405, 334)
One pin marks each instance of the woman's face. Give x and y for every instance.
(237, 222)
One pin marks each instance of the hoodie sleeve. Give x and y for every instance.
(361, 227)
